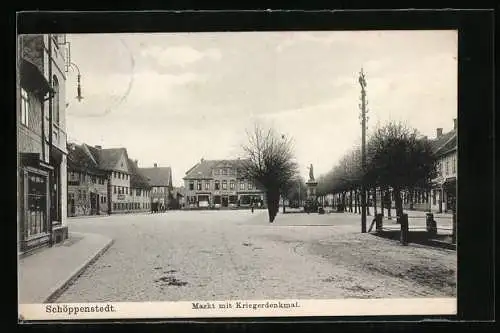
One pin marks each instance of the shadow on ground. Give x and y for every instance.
(420, 237)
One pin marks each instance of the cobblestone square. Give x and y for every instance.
(226, 255)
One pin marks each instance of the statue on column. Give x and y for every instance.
(311, 173)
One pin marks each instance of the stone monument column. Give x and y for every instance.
(311, 185)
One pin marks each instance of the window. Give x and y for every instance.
(250, 186)
(454, 164)
(104, 199)
(217, 185)
(231, 184)
(207, 185)
(114, 206)
(55, 100)
(198, 185)
(191, 186)
(224, 184)
(114, 189)
(138, 193)
(447, 166)
(25, 107)
(242, 186)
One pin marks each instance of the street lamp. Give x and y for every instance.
(79, 96)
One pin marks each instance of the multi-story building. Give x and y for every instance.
(87, 183)
(220, 183)
(160, 180)
(126, 188)
(444, 189)
(41, 104)
(140, 189)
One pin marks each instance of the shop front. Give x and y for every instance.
(35, 227)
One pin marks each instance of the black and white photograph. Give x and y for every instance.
(237, 174)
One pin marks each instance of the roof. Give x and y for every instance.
(79, 160)
(203, 169)
(158, 176)
(107, 158)
(445, 143)
(137, 178)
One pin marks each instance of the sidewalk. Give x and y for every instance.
(44, 275)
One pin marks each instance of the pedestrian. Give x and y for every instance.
(251, 206)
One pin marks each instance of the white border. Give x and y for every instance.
(296, 308)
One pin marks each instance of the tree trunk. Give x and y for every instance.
(350, 201)
(355, 201)
(272, 204)
(412, 195)
(375, 200)
(398, 202)
(283, 205)
(382, 206)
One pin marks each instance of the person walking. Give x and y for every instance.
(251, 206)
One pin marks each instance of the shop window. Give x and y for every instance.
(35, 221)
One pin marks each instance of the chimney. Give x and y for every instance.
(98, 147)
(156, 165)
(454, 123)
(439, 132)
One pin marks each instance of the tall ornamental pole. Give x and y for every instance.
(362, 82)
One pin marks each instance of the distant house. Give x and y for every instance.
(140, 188)
(160, 180)
(220, 183)
(444, 188)
(87, 183)
(105, 181)
(178, 195)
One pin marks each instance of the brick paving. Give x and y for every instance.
(220, 255)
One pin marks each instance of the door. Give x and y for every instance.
(225, 201)
(35, 208)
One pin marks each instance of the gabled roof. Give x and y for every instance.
(137, 178)
(158, 176)
(445, 143)
(107, 158)
(79, 160)
(203, 169)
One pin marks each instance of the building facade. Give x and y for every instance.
(140, 189)
(220, 184)
(41, 141)
(443, 195)
(160, 180)
(87, 184)
(105, 181)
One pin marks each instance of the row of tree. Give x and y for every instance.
(397, 158)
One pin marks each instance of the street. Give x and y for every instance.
(221, 255)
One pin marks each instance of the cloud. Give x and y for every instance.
(179, 55)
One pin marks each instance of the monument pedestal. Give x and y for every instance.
(311, 189)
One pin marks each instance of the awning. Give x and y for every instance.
(32, 79)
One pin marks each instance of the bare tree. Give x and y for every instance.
(269, 161)
(400, 160)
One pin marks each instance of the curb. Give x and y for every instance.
(58, 290)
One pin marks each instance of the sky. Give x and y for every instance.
(174, 98)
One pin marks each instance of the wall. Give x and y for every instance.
(144, 199)
(82, 207)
